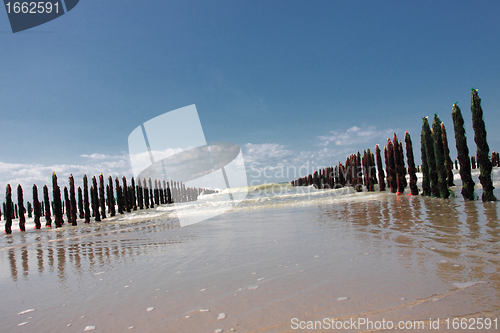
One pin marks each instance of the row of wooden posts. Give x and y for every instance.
(495, 160)
(142, 195)
(436, 167)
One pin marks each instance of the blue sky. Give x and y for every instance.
(291, 82)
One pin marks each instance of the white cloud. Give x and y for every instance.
(263, 160)
(95, 156)
(266, 152)
(355, 135)
(39, 174)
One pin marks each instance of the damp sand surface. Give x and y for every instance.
(259, 266)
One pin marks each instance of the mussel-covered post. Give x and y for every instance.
(30, 210)
(20, 204)
(169, 194)
(111, 197)
(140, 192)
(126, 196)
(95, 200)
(391, 171)
(426, 183)
(463, 153)
(146, 193)
(80, 203)
(134, 200)
(37, 211)
(411, 164)
(68, 205)
(46, 200)
(437, 137)
(447, 161)
(56, 193)
(86, 203)
(151, 195)
(398, 160)
(102, 199)
(8, 209)
(431, 158)
(72, 199)
(483, 150)
(380, 169)
(119, 196)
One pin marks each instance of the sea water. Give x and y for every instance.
(284, 257)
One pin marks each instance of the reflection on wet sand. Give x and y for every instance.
(82, 250)
(469, 251)
(490, 211)
(392, 256)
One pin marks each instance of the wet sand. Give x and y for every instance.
(375, 256)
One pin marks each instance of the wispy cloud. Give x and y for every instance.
(39, 174)
(271, 158)
(355, 135)
(266, 152)
(95, 156)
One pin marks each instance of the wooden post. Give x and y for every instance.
(140, 192)
(67, 202)
(146, 194)
(391, 170)
(448, 162)
(102, 199)
(56, 193)
(411, 164)
(431, 158)
(463, 153)
(8, 209)
(402, 157)
(80, 203)
(46, 200)
(169, 194)
(111, 197)
(95, 200)
(20, 203)
(165, 200)
(157, 194)
(126, 201)
(483, 150)
(380, 169)
(399, 167)
(437, 137)
(372, 168)
(119, 196)
(73, 207)
(151, 195)
(134, 200)
(36, 207)
(86, 203)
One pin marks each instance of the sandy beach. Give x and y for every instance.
(278, 262)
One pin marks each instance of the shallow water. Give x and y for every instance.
(291, 253)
